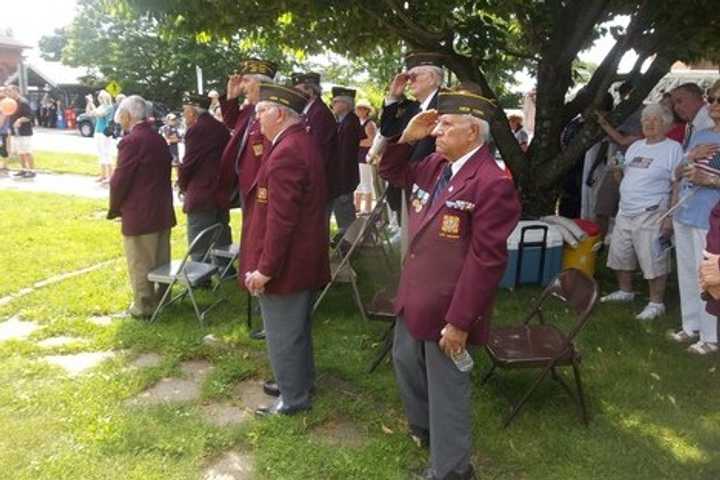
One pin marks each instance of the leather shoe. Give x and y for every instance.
(429, 474)
(279, 408)
(270, 387)
(258, 334)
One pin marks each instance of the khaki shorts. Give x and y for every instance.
(21, 145)
(632, 243)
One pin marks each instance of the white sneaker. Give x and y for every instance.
(651, 311)
(618, 296)
(681, 336)
(703, 348)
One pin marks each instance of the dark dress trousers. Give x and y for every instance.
(321, 124)
(140, 188)
(343, 171)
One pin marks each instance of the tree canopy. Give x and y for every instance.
(485, 42)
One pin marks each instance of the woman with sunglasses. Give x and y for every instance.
(701, 189)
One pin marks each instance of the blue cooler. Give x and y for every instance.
(535, 251)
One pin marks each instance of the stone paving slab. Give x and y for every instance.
(79, 363)
(60, 341)
(339, 433)
(176, 390)
(16, 328)
(231, 465)
(147, 360)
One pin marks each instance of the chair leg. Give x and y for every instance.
(488, 374)
(526, 396)
(195, 306)
(358, 299)
(556, 376)
(161, 303)
(321, 296)
(384, 349)
(249, 312)
(580, 393)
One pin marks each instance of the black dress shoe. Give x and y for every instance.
(270, 387)
(258, 334)
(429, 474)
(278, 408)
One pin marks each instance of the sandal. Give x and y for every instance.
(681, 336)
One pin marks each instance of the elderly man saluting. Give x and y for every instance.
(141, 194)
(284, 249)
(462, 209)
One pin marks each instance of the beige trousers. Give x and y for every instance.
(144, 253)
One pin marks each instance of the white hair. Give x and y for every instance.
(104, 98)
(289, 112)
(135, 106)
(435, 71)
(659, 111)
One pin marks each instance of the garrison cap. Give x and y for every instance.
(466, 101)
(419, 59)
(307, 77)
(286, 96)
(343, 92)
(254, 66)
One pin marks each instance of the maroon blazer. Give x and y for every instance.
(286, 213)
(140, 189)
(457, 249)
(343, 172)
(712, 306)
(322, 125)
(200, 168)
(238, 168)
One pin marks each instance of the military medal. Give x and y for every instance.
(258, 149)
(262, 195)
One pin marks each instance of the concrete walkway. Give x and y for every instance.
(63, 184)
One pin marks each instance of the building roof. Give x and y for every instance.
(9, 42)
(54, 74)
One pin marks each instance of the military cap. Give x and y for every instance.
(287, 96)
(254, 66)
(307, 77)
(465, 102)
(419, 59)
(194, 100)
(343, 92)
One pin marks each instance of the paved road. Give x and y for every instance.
(54, 140)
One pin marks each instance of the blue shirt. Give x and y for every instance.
(695, 212)
(101, 123)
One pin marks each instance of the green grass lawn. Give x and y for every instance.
(63, 162)
(654, 408)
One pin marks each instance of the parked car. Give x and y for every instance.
(86, 122)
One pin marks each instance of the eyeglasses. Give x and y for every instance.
(712, 100)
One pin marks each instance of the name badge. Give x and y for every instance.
(450, 227)
(257, 149)
(262, 195)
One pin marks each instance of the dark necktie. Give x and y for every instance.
(688, 135)
(441, 183)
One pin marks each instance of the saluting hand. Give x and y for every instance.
(233, 86)
(420, 126)
(397, 86)
(453, 340)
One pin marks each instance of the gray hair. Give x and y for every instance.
(659, 111)
(436, 72)
(135, 106)
(344, 98)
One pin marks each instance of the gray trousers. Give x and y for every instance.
(436, 396)
(288, 326)
(344, 209)
(199, 221)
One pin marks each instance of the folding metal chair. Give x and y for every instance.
(230, 253)
(543, 346)
(188, 273)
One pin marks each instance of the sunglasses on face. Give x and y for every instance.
(711, 99)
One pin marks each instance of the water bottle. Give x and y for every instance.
(463, 361)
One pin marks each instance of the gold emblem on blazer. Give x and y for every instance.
(417, 204)
(262, 195)
(450, 227)
(257, 149)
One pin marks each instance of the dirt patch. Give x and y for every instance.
(78, 363)
(176, 390)
(17, 329)
(196, 370)
(250, 395)
(225, 414)
(231, 465)
(339, 433)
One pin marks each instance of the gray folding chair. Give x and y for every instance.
(230, 253)
(189, 273)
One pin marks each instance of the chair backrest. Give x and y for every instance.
(575, 289)
(209, 235)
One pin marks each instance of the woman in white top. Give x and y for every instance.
(641, 235)
(365, 190)
(103, 114)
